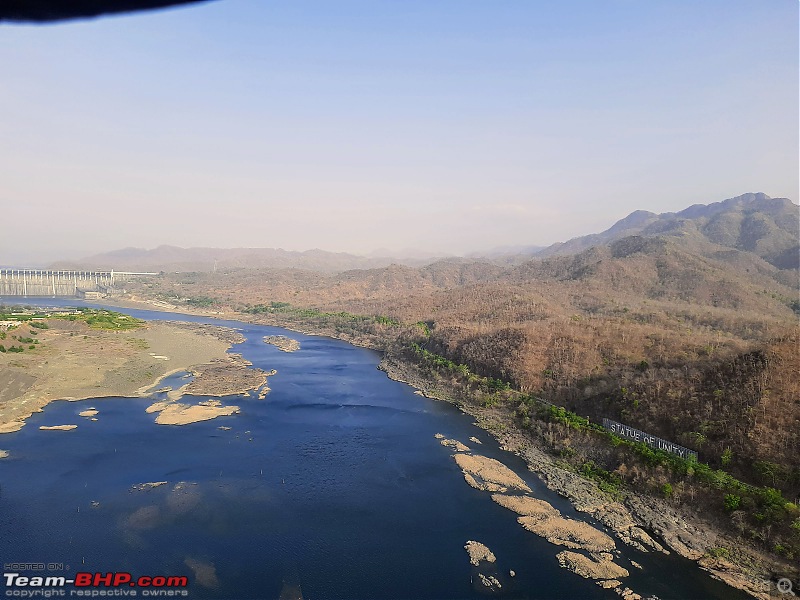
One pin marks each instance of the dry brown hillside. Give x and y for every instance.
(687, 330)
(687, 340)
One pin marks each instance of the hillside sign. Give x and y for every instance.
(633, 434)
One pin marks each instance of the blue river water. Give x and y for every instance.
(334, 482)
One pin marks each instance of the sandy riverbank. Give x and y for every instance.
(74, 362)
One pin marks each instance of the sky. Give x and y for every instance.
(402, 126)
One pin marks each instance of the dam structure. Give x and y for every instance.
(53, 283)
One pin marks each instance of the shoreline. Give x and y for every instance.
(650, 515)
(75, 363)
(686, 534)
(142, 392)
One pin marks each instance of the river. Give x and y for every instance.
(335, 482)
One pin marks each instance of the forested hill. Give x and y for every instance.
(767, 227)
(687, 329)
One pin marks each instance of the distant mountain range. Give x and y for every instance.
(767, 227)
(728, 254)
(175, 259)
(753, 223)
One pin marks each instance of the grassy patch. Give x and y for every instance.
(138, 343)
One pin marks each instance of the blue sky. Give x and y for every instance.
(351, 126)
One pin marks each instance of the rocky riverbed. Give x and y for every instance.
(635, 520)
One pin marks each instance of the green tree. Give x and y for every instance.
(732, 502)
(768, 471)
(727, 455)
(667, 490)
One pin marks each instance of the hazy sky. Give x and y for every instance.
(446, 126)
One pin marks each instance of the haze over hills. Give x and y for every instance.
(175, 259)
(595, 280)
(508, 254)
(753, 223)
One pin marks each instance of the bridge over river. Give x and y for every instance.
(49, 282)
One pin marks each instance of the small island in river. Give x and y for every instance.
(281, 342)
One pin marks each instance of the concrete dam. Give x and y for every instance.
(51, 283)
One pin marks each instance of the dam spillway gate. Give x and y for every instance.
(48, 282)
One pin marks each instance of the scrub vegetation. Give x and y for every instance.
(681, 325)
(95, 318)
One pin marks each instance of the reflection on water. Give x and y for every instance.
(333, 487)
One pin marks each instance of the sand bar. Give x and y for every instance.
(591, 568)
(157, 406)
(526, 506)
(569, 533)
(488, 474)
(183, 414)
(281, 342)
